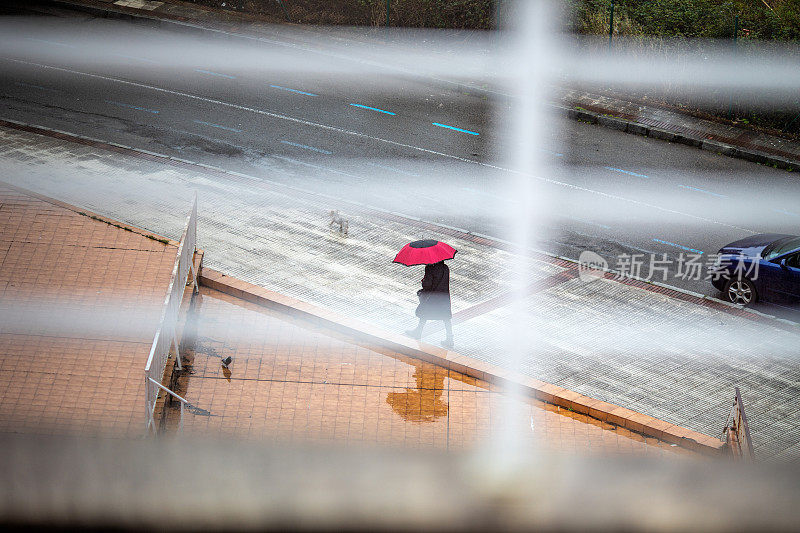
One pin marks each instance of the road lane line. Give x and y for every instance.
(628, 172)
(702, 191)
(50, 42)
(132, 106)
(557, 154)
(215, 74)
(589, 222)
(217, 126)
(454, 128)
(385, 141)
(23, 84)
(137, 58)
(686, 248)
(785, 212)
(374, 109)
(306, 147)
(292, 90)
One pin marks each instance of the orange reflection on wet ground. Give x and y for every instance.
(291, 381)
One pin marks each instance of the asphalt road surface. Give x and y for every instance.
(419, 146)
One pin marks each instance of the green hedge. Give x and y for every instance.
(779, 20)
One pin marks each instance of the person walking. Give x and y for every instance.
(434, 301)
(434, 296)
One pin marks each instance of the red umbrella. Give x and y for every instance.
(425, 252)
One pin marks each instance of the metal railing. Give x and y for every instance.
(166, 338)
(737, 432)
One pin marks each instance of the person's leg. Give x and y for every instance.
(417, 333)
(448, 327)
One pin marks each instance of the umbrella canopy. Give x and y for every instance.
(425, 252)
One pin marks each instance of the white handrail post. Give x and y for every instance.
(177, 352)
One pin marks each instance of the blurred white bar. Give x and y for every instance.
(235, 486)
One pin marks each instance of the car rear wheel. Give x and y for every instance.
(740, 291)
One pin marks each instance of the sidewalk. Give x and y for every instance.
(636, 118)
(657, 352)
(80, 300)
(293, 380)
(672, 126)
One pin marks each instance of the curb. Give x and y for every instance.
(606, 412)
(478, 238)
(637, 128)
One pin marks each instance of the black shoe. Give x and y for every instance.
(414, 334)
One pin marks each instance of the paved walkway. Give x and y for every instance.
(291, 381)
(79, 305)
(671, 359)
(748, 143)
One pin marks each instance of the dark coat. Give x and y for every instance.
(434, 297)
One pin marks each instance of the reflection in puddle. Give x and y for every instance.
(423, 404)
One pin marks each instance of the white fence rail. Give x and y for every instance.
(737, 433)
(166, 335)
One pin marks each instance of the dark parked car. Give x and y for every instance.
(761, 267)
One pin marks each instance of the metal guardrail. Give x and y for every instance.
(166, 338)
(737, 433)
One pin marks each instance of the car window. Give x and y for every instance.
(793, 261)
(781, 247)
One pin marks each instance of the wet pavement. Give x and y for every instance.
(670, 359)
(77, 297)
(292, 381)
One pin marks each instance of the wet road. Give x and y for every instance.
(418, 146)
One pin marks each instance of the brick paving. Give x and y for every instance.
(74, 377)
(290, 381)
(665, 357)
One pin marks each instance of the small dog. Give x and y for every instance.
(339, 220)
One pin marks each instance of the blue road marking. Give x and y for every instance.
(628, 172)
(292, 90)
(557, 154)
(50, 42)
(392, 169)
(137, 58)
(217, 126)
(23, 84)
(373, 109)
(215, 74)
(454, 128)
(678, 246)
(702, 191)
(589, 222)
(785, 212)
(136, 107)
(306, 147)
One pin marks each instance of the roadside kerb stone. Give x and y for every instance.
(636, 128)
(637, 422)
